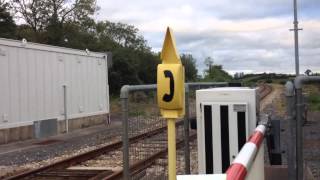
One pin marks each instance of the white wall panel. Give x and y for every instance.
(32, 79)
(86, 86)
(33, 89)
(14, 76)
(23, 84)
(47, 85)
(56, 86)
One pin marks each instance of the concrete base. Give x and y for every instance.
(26, 132)
(16, 134)
(83, 122)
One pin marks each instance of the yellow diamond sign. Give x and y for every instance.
(170, 80)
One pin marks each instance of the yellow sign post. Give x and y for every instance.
(170, 93)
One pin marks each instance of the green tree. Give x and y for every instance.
(49, 17)
(123, 71)
(208, 62)
(123, 34)
(215, 72)
(189, 63)
(79, 38)
(133, 61)
(7, 24)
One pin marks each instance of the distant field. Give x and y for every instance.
(313, 95)
(250, 80)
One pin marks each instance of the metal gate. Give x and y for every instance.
(144, 132)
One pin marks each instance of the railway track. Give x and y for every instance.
(76, 167)
(62, 170)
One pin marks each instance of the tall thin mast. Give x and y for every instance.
(296, 36)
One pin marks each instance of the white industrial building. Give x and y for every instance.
(33, 76)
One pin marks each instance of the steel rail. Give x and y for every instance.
(142, 164)
(62, 164)
(267, 89)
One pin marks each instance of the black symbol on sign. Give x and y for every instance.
(169, 97)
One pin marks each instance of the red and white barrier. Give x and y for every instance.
(239, 168)
(249, 163)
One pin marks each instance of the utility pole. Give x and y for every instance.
(297, 154)
(296, 36)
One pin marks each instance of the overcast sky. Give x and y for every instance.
(242, 35)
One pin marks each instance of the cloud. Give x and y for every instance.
(247, 35)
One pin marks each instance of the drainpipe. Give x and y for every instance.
(65, 103)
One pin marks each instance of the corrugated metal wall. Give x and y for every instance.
(32, 79)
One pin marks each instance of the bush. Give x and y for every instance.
(283, 82)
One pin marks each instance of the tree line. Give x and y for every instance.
(71, 23)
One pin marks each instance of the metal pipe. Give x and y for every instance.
(291, 148)
(298, 82)
(186, 131)
(125, 136)
(65, 104)
(124, 92)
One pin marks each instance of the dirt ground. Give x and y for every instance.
(275, 96)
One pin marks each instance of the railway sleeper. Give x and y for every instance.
(71, 174)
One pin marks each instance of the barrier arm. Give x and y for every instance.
(239, 169)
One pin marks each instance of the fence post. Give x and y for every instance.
(291, 148)
(125, 138)
(298, 83)
(299, 134)
(186, 132)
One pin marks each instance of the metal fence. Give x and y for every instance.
(144, 132)
(295, 108)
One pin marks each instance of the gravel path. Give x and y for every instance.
(41, 155)
(59, 148)
(273, 96)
